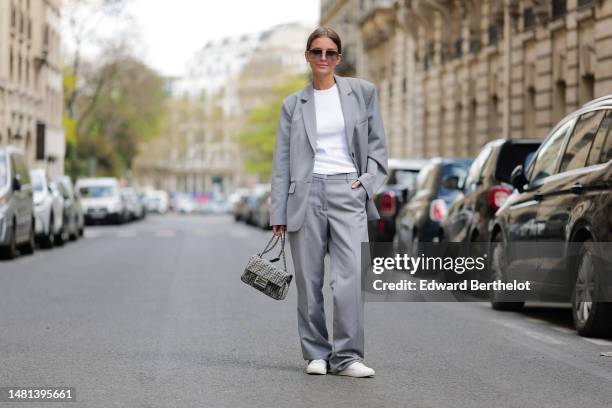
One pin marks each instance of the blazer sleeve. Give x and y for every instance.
(280, 169)
(376, 171)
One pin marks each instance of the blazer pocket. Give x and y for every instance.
(291, 187)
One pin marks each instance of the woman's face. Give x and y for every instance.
(322, 65)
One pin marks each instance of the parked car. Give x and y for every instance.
(101, 200)
(261, 215)
(184, 203)
(437, 185)
(240, 207)
(253, 202)
(135, 210)
(234, 199)
(72, 205)
(157, 201)
(486, 187)
(564, 196)
(390, 198)
(48, 210)
(17, 223)
(64, 234)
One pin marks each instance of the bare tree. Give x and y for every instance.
(82, 25)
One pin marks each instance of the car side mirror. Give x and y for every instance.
(518, 178)
(16, 183)
(451, 182)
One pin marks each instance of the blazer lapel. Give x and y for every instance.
(309, 114)
(347, 109)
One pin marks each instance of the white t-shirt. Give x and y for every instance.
(332, 155)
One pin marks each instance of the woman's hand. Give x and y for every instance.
(278, 230)
(356, 184)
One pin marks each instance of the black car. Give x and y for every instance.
(564, 197)
(390, 198)
(486, 187)
(436, 188)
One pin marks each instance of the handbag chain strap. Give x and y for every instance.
(282, 250)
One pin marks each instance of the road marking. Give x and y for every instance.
(599, 342)
(91, 234)
(165, 233)
(531, 333)
(536, 320)
(239, 233)
(126, 234)
(563, 330)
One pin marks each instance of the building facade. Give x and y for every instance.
(31, 81)
(208, 108)
(454, 74)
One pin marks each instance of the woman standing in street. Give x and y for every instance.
(330, 158)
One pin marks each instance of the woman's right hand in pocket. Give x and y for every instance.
(278, 230)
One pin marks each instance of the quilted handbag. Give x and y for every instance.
(264, 275)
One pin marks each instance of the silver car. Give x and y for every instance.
(72, 207)
(48, 210)
(16, 213)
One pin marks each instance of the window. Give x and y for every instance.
(457, 170)
(544, 163)
(601, 151)
(40, 141)
(528, 19)
(606, 153)
(493, 34)
(559, 101)
(580, 142)
(3, 170)
(559, 8)
(478, 164)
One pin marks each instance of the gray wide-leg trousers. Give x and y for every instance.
(335, 223)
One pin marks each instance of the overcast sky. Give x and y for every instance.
(173, 30)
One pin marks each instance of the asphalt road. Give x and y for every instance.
(153, 314)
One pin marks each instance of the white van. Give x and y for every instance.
(101, 200)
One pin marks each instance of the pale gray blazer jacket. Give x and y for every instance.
(296, 138)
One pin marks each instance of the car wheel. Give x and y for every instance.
(60, 238)
(48, 240)
(10, 251)
(28, 247)
(74, 235)
(498, 265)
(591, 318)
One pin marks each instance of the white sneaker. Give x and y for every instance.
(317, 367)
(357, 369)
